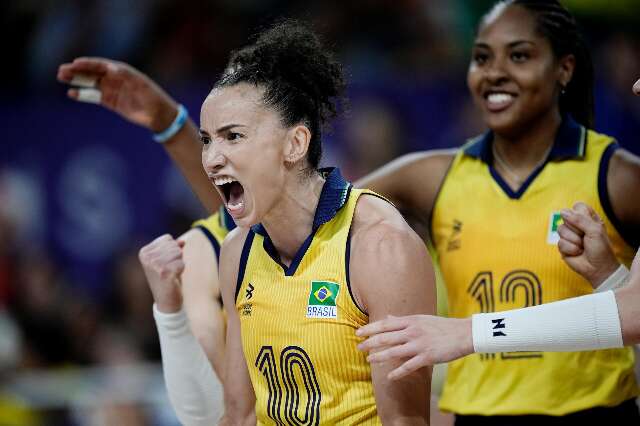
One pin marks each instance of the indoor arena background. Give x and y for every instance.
(81, 189)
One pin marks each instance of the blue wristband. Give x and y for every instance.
(174, 128)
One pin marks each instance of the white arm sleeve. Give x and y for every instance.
(617, 280)
(188, 375)
(577, 324)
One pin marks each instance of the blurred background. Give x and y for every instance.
(81, 190)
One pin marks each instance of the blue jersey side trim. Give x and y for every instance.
(244, 257)
(212, 240)
(605, 201)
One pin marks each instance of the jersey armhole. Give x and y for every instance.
(347, 255)
(212, 240)
(347, 258)
(435, 200)
(246, 249)
(603, 194)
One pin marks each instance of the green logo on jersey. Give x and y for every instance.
(322, 300)
(554, 222)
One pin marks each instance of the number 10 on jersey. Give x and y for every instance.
(296, 371)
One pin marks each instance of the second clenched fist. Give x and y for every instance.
(163, 264)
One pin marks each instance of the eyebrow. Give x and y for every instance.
(510, 45)
(228, 127)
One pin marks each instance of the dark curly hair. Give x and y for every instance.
(300, 78)
(557, 24)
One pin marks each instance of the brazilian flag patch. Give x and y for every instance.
(554, 222)
(322, 300)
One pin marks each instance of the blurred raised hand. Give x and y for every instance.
(125, 90)
(135, 97)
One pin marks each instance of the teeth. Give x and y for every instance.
(235, 206)
(497, 98)
(222, 180)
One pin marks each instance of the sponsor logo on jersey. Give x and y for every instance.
(554, 222)
(322, 300)
(246, 309)
(249, 291)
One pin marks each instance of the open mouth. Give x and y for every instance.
(232, 192)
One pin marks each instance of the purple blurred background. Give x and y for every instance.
(81, 190)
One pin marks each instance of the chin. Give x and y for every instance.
(503, 123)
(245, 222)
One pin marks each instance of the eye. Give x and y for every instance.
(519, 56)
(480, 58)
(206, 140)
(233, 136)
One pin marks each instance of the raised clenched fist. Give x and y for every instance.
(163, 264)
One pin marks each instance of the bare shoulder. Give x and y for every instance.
(625, 162)
(232, 245)
(623, 185)
(195, 240)
(374, 215)
(411, 181)
(415, 166)
(379, 229)
(385, 250)
(230, 259)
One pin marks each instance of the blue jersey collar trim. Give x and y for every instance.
(226, 219)
(333, 197)
(570, 142)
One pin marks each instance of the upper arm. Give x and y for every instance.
(623, 187)
(200, 293)
(239, 398)
(412, 181)
(391, 274)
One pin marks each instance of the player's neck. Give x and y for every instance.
(290, 221)
(527, 149)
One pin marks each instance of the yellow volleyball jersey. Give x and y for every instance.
(216, 227)
(497, 251)
(298, 323)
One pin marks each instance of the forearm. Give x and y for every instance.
(628, 300)
(211, 339)
(189, 378)
(185, 150)
(404, 401)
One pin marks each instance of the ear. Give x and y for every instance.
(297, 144)
(567, 65)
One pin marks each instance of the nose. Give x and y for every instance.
(213, 158)
(495, 72)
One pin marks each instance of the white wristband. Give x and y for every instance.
(617, 280)
(577, 324)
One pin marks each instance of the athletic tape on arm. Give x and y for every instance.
(577, 324)
(188, 375)
(617, 280)
(92, 96)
